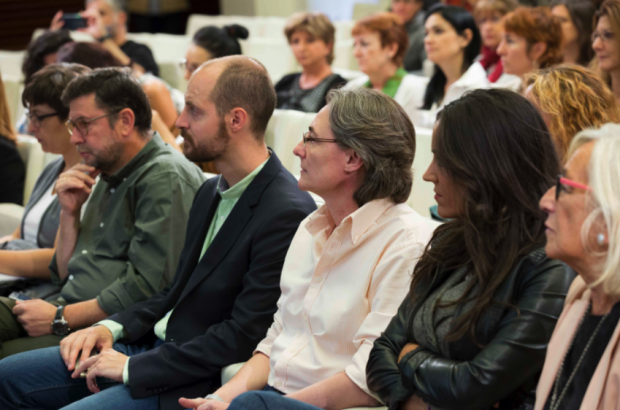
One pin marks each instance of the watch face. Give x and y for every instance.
(60, 328)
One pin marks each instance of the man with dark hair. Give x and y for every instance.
(224, 294)
(107, 23)
(126, 244)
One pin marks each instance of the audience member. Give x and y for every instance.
(213, 42)
(107, 23)
(12, 170)
(127, 244)
(224, 294)
(167, 101)
(570, 98)
(42, 51)
(532, 39)
(311, 37)
(411, 13)
(28, 251)
(582, 365)
(577, 20)
(348, 266)
(488, 15)
(606, 45)
(380, 43)
(484, 299)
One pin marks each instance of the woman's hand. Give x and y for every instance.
(409, 347)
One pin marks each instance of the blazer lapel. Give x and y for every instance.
(561, 340)
(232, 228)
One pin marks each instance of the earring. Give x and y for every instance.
(600, 239)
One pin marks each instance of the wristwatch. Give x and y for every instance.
(60, 326)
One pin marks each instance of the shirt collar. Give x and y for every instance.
(391, 86)
(146, 153)
(360, 221)
(473, 76)
(239, 188)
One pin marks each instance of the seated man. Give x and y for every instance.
(107, 23)
(224, 294)
(125, 247)
(348, 267)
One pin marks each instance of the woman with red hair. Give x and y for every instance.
(532, 39)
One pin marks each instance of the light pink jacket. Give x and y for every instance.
(603, 392)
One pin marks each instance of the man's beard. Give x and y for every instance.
(107, 160)
(206, 151)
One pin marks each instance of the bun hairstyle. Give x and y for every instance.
(221, 42)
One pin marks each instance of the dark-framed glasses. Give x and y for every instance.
(81, 124)
(604, 35)
(36, 120)
(561, 182)
(311, 140)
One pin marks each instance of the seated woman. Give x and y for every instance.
(348, 266)
(212, 42)
(576, 18)
(29, 250)
(606, 44)
(589, 104)
(12, 171)
(583, 230)
(532, 39)
(488, 15)
(473, 331)
(311, 37)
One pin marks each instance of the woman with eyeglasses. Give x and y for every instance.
(212, 42)
(605, 44)
(29, 250)
(582, 366)
(473, 331)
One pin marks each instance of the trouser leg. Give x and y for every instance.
(266, 400)
(10, 328)
(115, 397)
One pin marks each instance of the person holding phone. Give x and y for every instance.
(106, 21)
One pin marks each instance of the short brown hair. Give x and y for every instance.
(245, 83)
(390, 29)
(47, 85)
(537, 25)
(377, 128)
(315, 24)
(489, 7)
(575, 99)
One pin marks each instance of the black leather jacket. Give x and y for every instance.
(504, 371)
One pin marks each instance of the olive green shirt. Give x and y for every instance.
(133, 230)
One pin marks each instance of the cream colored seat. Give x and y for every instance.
(274, 54)
(13, 87)
(284, 132)
(422, 194)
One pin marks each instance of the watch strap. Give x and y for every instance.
(214, 397)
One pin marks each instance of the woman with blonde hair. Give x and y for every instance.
(311, 37)
(570, 98)
(12, 170)
(606, 45)
(582, 366)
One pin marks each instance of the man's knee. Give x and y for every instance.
(255, 400)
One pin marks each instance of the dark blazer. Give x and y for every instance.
(12, 173)
(223, 303)
(504, 370)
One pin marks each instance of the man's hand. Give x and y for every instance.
(57, 22)
(85, 340)
(74, 186)
(35, 316)
(409, 347)
(95, 27)
(202, 404)
(109, 363)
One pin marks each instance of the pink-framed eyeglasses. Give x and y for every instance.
(561, 181)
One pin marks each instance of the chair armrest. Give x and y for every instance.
(10, 218)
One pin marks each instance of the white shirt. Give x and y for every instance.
(341, 286)
(35, 216)
(509, 81)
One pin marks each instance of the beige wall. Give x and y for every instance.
(282, 8)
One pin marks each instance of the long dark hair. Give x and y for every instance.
(91, 55)
(221, 42)
(47, 43)
(498, 151)
(461, 20)
(581, 13)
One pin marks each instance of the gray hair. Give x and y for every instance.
(117, 5)
(377, 128)
(604, 179)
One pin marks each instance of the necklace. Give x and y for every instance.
(555, 400)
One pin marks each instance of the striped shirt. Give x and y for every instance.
(341, 286)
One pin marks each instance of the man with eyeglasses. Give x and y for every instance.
(227, 285)
(124, 246)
